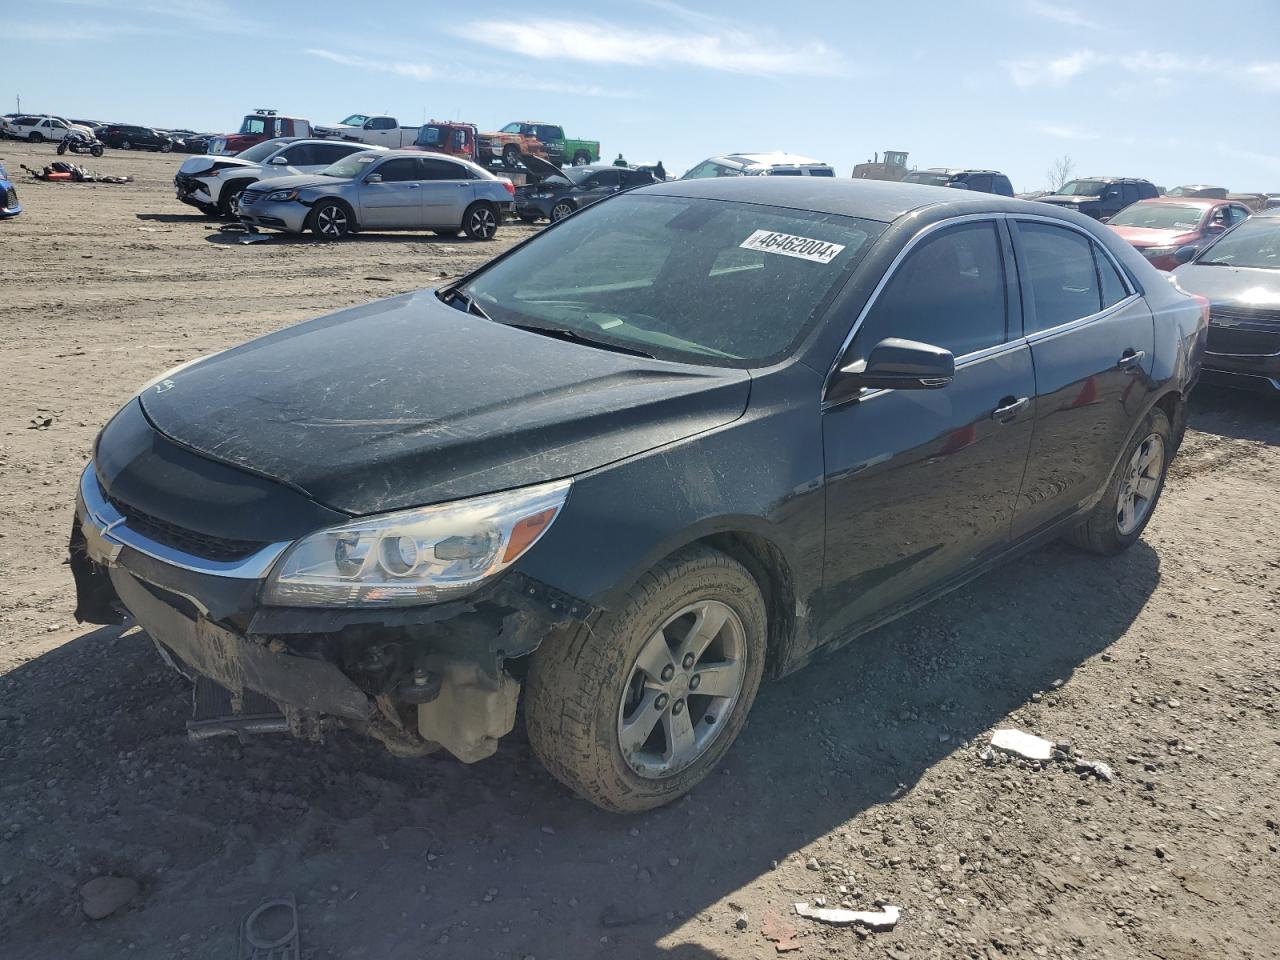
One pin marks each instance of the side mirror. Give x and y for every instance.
(895, 364)
(279, 162)
(373, 178)
(1184, 254)
(1215, 228)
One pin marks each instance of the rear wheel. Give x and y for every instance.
(1122, 514)
(511, 156)
(36, 137)
(126, 145)
(332, 220)
(581, 158)
(634, 710)
(480, 221)
(561, 210)
(166, 147)
(62, 147)
(96, 150)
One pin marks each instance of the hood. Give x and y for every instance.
(203, 163)
(543, 168)
(407, 401)
(1153, 237)
(1067, 199)
(298, 181)
(1243, 286)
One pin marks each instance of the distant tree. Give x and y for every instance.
(1061, 172)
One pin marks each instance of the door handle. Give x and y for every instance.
(413, 186)
(1131, 359)
(1009, 408)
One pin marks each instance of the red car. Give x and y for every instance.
(1159, 227)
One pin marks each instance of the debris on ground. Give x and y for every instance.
(1024, 745)
(103, 896)
(40, 423)
(780, 933)
(1099, 769)
(885, 918)
(270, 931)
(60, 171)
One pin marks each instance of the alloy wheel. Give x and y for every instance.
(331, 221)
(560, 211)
(682, 689)
(483, 223)
(1141, 484)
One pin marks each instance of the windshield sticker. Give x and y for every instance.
(803, 248)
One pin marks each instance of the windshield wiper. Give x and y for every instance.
(574, 336)
(469, 304)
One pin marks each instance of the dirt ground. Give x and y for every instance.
(856, 781)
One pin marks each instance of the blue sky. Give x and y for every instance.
(1178, 92)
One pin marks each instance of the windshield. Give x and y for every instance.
(1082, 188)
(1255, 243)
(260, 151)
(254, 125)
(701, 281)
(352, 166)
(1159, 216)
(355, 120)
(429, 136)
(924, 176)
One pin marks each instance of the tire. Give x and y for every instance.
(62, 147)
(208, 209)
(126, 145)
(331, 220)
(585, 685)
(96, 150)
(1108, 530)
(561, 209)
(230, 194)
(36, 136)
(446, 233)
(481, 221)
(511, 156)
(529, 217)
(166, 147)
(581, 158)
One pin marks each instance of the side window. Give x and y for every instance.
(510, 128)
(980, 182)
(1147, 190)
(300, 155)
(433, 169)
(549, 134)
(1113, 287)
(1064, 281)
(1130, 192)
(1238, 214)
(1112, 192)
(606, 178)
(1002, 186)
(327, 153)
(382, 123)
(399, 170)
(636, 178)
(949, 291)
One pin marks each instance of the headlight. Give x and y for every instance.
(282, 196)
(415, 556)
(1158, 251)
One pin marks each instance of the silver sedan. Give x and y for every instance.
(384, 190)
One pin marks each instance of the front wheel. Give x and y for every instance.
(1122, 514)
(96, 149)
(126, 145)
(480, 222)
(581, 158)
(632, 711)
(62, 147)
(36, 137)
(331, 220)
(510, 156)
(166, 147)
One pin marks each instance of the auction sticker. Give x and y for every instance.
(804, 248)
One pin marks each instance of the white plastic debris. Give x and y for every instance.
(1099, 769)
(885, 918)
(1024, 745)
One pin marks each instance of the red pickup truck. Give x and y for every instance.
(258, 126)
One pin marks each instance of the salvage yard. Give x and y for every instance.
(858, 782)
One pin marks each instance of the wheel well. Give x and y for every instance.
(1176, 410)
(765, 562)
(340, 202)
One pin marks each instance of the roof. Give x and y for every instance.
(1100, 177)
(881, 200)
(775, 158)
(1203, 202)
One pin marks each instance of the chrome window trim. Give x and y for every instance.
(108, 525)
(1070, 325)
(910, 245)
(964, 360)
(1054, 222)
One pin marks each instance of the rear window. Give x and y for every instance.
(696, 280)
(821, 172)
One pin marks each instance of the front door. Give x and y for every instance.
(395, 202)
(1092, 339)
(921, 484)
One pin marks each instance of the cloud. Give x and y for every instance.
(1056, 71)
(1067, 133)
(84, 30)
(203, 16)
(710, 45)
(1264, 161)
(450, 74)
(1067, 16)
(1265, 75)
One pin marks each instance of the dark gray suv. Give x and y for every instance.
(1101, 197)
(982, 181)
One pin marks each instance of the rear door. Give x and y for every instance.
(396, 201)
(321, 155)
(922, 484)
(447, 190)
(1092, 339)
(601, 184)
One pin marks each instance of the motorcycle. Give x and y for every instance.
(77, 142)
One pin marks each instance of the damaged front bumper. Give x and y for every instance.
(413, 678)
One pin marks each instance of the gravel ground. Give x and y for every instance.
(857, 781)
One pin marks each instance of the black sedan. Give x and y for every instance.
(128, 137)
(1239, 274)
(561, 192)
(675, 444)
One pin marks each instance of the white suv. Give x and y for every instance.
(40, 128)
(214, 183)
(776, 164)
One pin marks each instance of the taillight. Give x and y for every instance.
(511, 187)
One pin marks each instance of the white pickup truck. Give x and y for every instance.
(378, 131)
